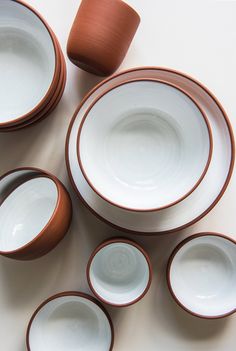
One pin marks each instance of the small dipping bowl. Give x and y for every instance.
(201, 275)
(70, 321)
(144, 145)
(119, 272)
(35, 213)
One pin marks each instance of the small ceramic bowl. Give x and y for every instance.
(35, 213)
(119, 272)
(144, 145)
(201, 275)
(29, 62)
(101, 35)
(70, 321)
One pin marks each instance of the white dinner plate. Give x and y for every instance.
(204, 197)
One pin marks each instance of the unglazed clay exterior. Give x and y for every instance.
(51, 231)
(101, 35)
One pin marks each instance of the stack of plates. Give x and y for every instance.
(150, 150)
(32, 67)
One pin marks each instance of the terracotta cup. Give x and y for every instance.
(35, 213)
(101, 35)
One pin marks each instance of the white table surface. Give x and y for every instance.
(194, 36)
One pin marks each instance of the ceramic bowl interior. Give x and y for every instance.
(70, 323)
(144, 145)
(119, 273)
(27, 60)
(203, 275)
(26, 211)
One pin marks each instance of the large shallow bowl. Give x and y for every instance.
(119, 272)
(70, 321)
(202, 199)
(201, 275)
(29, 66)
(35, 213)
(144, 145)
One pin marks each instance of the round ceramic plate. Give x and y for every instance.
(204, 197)
(70, 321)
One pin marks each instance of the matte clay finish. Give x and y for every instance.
(197, 174)
(208, 101)
(175, 251)
(70, 293)
(52, 104)
(51, 89)
(58, 224)
(114, 241)
(101, 35)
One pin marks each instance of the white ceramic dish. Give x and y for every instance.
(144, 145)
(119, 272)
(205, 196)
(201, 275)
(27, 61)
(26, 211)
(70, 321)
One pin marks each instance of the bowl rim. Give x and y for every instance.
(64, 294)
(224, 116)
(168, 278)
(122, 240)
(55, 75)
(40, 174)
(181, 198)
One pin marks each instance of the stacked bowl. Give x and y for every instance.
(32, 67)
(144, 148)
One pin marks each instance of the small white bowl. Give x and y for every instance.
(201, 275)
(119, 272)
(27, 61)
(144, 145)
(70, 321)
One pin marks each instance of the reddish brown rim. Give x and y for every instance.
(55, 76)
(70, 293)
(129, 8)
(155, 209)
(41, 173)
(221, 193)
(174, 252)
(124, 241)
(49, 107)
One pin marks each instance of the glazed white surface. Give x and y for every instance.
(26, 211)
(119, 273)
(196, 37)
(27, 60)
(144, 145)
(70, 323)
(203, 276)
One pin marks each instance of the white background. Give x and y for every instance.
(194, 36)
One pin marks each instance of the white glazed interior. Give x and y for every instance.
(70, 323)
(144, 145)
(26, 211)
(119, 273)
(203, 276)
(27, 60)
(195, 204)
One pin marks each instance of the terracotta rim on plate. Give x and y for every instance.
(49, 107)
(174, 252)
(155, 209)
(223, 189)
(125, 241)
(55, 76)
(61, 192)
(70, 293)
